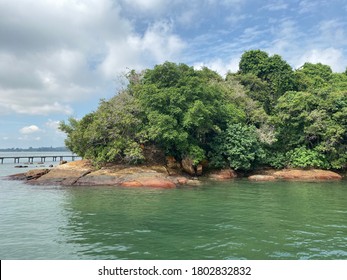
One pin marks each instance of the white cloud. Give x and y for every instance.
(29, 129)
(333, 31)
(29, 102)
(155, 46)
(222, 67)
(62, 52)
(147, 5)
(324, 44)
(53, 128)
(276, 6)
(52, 124)
(286, 36)
(330, 56)
(306, 6)
(231, 3)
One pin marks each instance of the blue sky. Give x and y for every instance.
(59, 57)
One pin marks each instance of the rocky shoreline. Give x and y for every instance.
(83, 173)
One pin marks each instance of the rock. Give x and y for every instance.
(62, 162)
(199, 170)
(16, 177)
(194, 183)
(82, 173)
(66, 174)
(35, 173)
(187, 166)
(173, 167)
(261, 178)
(181, 180)
(91, 179)
(306, 175)
(171, 162)
(138, 176)
(131, 184)
(158, 183)
(150, 182)
(224, 174)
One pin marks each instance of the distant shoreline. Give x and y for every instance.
(40, 149)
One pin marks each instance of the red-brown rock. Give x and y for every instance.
(261, 178)
(158, 183)
(224, 174)
(306, 175)
(66, 174)
(182, 180)
(131, 184)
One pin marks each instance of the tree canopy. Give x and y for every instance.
(265, 114)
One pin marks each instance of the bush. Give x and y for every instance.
(237, 147)
(305, 158)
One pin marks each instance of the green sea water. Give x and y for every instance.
(232, 220)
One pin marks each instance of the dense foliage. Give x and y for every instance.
(265, 114)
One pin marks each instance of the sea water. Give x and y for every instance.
(231, 220)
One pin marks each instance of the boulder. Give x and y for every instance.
(66, 174)
(82, 173)
(188, 167)
(173, 167)
(261, 178)
(91, 179)
(194, 183)
(35, 173)
(307, 175)
(131, 184)
(199, 170)
(181, 180)
(150, 182)
(139, 176)
(171, 162)
(224, 174)
(158, 183)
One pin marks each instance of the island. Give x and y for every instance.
(174, 123)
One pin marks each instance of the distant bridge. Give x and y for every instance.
(42, 158)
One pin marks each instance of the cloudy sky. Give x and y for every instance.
(59, 57)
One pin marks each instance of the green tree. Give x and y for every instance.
(78, 140)
(313, 76)
(311, 128)
(111, 134)
(275, 73)
(238, 147)
(297, 119)
(184, 108)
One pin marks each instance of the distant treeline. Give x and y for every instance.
(40, 149)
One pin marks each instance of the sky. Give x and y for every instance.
(60, 57)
